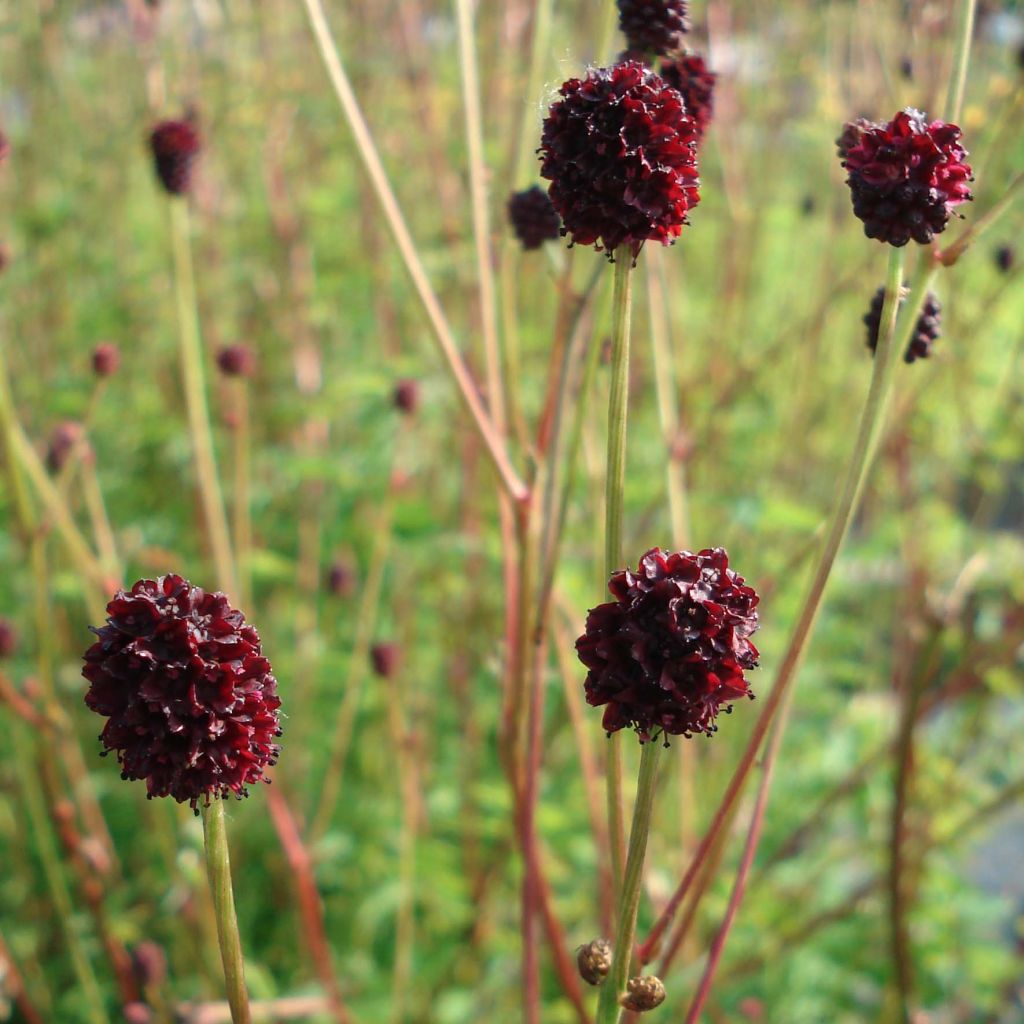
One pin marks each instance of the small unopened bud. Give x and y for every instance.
(1005, 257)
(594, 961)
(106, 358)
(341, 580)
(384, 658)
(62, 442)
(8, 638)
(149, 963)
(236, 361)
(5, 148)
(137, 1013)
(5, 257)
(643, 994)
(407, 396)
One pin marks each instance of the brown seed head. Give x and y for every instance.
(643, 994)
(594, 961)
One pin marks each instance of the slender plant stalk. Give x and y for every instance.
(367, 150)
(240, 498)
(195, 397)
(608, 1008)
(481, 219)
(961, 57)
(218, 870)
(953, 252)
(872, 418)
(615, 485)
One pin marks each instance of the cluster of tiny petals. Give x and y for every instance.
(620, 152)
(533, 217)
(190, 701)
(927, 330)
(175, 145)
(906, 177)
(670, 652)
(654, 26)
(691, 76)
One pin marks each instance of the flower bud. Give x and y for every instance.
(643, 994)
(594, 961)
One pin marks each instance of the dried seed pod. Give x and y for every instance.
(643, 994)
(594, 961)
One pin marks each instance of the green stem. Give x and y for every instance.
(608, 1009)
(218, 870)
(195, 398)
(958, 78)
(615, 484)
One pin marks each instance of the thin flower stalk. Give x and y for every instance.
(195, 397)
(865, 445)
(615, 485)
(961, 58)
(367, 150)
(608, 1009)
(218, 868)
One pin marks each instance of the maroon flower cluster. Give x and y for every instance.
(696, 83)
(905, 177)
(926, 331)
(191, 703)
(653, 26)
(533, 218)
(671, 649)
(620, 153)
(175, 145)
(236, 361)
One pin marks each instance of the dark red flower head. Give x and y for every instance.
(65, 438)
(690, 75)
(620, 153)
(671, 649)
(191, 703)
(1005, 257)
(8, 638)
(106, 358)
(926, 331)
(236, 361)
(385, 658)
(532, 217)
(905, 177)
(653, 26)
(175, 145)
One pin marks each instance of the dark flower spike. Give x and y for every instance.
(670, 652)
(927, 330)
(406, 396)
(236, 361)
(906, 177)
(175, 145)
(620, 153)
(106, 358)
(653, 26)
(696, 84)
(191, 703)
(532, 217)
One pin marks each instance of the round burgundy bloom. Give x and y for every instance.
(620, 153)
(341, 579)
(149, 964)
(8, 638)
(533, 217)
(696, 83)
(175, 145)
(106, 358)
(670, 651)
(236, 361)
(653, 25)
(926, 331)
(905, 177)
(191, 703)
(406, 396)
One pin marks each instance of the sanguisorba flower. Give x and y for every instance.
(191, 703)
(620, 152)
(533, 217)
(175, 146)
(654, 26)
(906, 177)
(926, 331)
(690, 75)
(671, 650)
